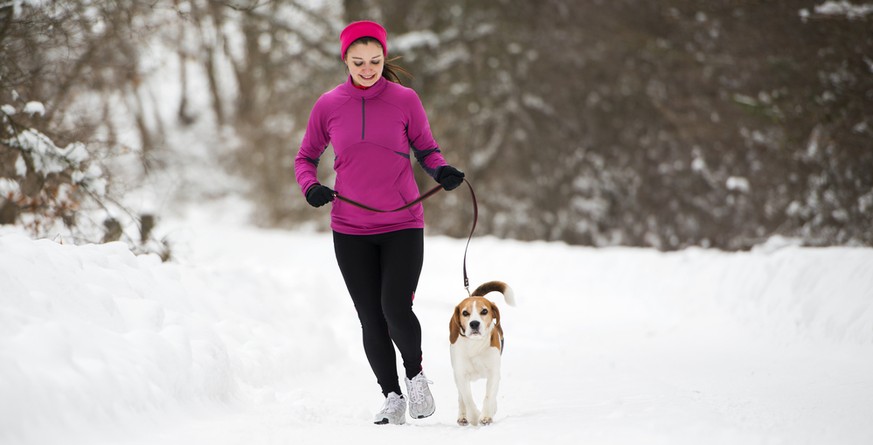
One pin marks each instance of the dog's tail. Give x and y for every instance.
(496, 286)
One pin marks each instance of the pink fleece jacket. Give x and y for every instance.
(372, 132)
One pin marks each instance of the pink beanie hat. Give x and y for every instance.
(364, 28)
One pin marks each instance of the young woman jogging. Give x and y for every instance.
(375, 125)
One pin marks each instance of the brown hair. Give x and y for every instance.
(391, 71)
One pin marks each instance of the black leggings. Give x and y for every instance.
(381, 273)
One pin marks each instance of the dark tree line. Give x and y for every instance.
(665, 124)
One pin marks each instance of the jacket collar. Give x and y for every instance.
(377, 88)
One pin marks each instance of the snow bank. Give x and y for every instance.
(93, 338)
(94, 335)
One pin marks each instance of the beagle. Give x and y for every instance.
(476, 338)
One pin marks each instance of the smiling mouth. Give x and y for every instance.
(370, 77)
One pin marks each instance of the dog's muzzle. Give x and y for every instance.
(475, 328)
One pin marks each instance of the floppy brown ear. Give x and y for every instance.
(497, 333)
(496, 314)
(496, 339)
(455, 326)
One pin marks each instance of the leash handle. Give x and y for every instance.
(421, 198)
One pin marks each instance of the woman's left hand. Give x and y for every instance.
(449, 177)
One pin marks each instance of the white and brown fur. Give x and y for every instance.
(476, 337)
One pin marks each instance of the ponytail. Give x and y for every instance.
(391, 71)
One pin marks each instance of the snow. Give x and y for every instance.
(18, 4)
(413, 40)
(8, 187)
(46, 155)
(249, 337)
(738, 183)
(844, 8)
(34, 107)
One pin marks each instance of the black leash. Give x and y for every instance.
(472, 229)
(421, 198)
(429, 193)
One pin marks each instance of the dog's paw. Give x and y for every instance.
(463, 421)
(486, 421)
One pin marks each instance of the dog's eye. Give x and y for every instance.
(484, 312)
(465, 313)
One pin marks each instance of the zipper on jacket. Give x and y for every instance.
(363, 117)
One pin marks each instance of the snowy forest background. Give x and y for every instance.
(614, 122)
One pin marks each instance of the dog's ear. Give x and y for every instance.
(497, 333)
(495, 313)
(455, 325)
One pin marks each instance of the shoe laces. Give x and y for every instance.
(416, 389)
(393, 403)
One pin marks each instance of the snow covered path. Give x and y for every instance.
(250, 338)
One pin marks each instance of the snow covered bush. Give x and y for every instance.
(43, 184)
(55, 191)
(54, 179)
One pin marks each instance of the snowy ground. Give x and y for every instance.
(249, 337)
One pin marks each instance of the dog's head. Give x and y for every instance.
(476, 317)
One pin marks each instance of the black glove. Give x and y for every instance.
(319, 195)
(449, 177)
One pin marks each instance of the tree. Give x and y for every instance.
(57, 59)
(667, 124)
(663, 124)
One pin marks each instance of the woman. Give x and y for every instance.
(373, 123)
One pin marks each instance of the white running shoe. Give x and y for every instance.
(421, 403)
(393, 411)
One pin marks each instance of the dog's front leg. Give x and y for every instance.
(489, 406)
(467, 411)
(462, 411)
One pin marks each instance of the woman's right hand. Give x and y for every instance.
(319, 195)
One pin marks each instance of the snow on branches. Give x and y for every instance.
(54, 191)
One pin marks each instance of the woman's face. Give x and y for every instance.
(365, 62)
